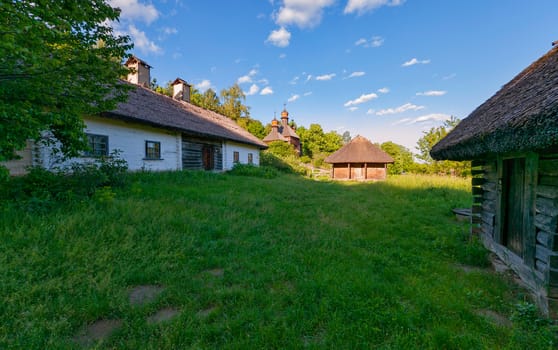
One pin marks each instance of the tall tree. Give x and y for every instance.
(429, 139)
(402, 157)
(59, 60)
(232, 103)
(208, 100)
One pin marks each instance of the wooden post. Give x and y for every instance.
(349, 167)
(365, 171)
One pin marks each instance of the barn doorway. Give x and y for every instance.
(207, 157)
(513, 199)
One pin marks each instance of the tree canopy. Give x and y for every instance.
(402, 157)
(429, 139)
(59, 60)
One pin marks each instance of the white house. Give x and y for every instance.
(156, 132)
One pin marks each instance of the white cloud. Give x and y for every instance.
(248, 77)
(356, 74)
(203, 85)
(362, 99)
(448, 77)
(361, 41)
(400, 109)
(293, 98)
(303, 13)
(280, 37)
(325, 77)
(362, 6)
(375, 41)
(141, 41)
(133, 10)
(254, 89)
(432, 93)
(267, 91)
(308, 78)
(294, 81)
(414, 61)
(402, 121)
(169, 30)
(307, 93)
(383, 90)
(352, 109)
(424, 119)
(370, 111)
(283, 55)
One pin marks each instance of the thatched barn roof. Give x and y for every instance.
(359, 150)
(522, 116)
(145, 106)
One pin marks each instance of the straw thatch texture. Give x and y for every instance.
(359, 150)
(522, 116)
(148, 107)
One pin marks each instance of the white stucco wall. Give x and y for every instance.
(230, 147)
(130, 139)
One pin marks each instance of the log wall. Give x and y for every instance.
(546, 219)
(192, 153)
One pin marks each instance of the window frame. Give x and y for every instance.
(157, 148)
(236, 157)
(250, 158)
(96, 152)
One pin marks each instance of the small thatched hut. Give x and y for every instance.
(360, 159)
(512, 139)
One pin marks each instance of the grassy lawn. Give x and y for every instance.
(253, 263)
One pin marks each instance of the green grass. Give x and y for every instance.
(306, 264)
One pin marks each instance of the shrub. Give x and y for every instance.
(41, 188)
(265, 172)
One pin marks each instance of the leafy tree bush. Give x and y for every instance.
(265, 172)
(40, 189)
(60, 60)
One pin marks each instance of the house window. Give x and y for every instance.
(250, 158)
(236, 157)
(152, 150)
(98, 145)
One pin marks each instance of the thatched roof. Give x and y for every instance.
(522, 116)
(148, 107)
(359, 150)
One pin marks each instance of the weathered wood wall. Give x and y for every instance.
(538, 264)
(359, 171)
(546, 219)
(192, 153)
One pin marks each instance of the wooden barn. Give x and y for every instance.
(512, 140)
(360, 160)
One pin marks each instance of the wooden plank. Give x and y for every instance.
(545, 239)
(488, 218)
(547, 191)
(477, 191)
(548, 167)
(546, 206)
(477, 181)
(548, 181)
(529, 232)
(491, 196)
(541, 266)
(546, 223)
(489, 206)
(489, 186)
(477, 163)
(477, 172)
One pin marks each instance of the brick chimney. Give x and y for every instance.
(140, 74)
(181, 90)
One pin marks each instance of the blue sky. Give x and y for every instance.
(384, 69)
